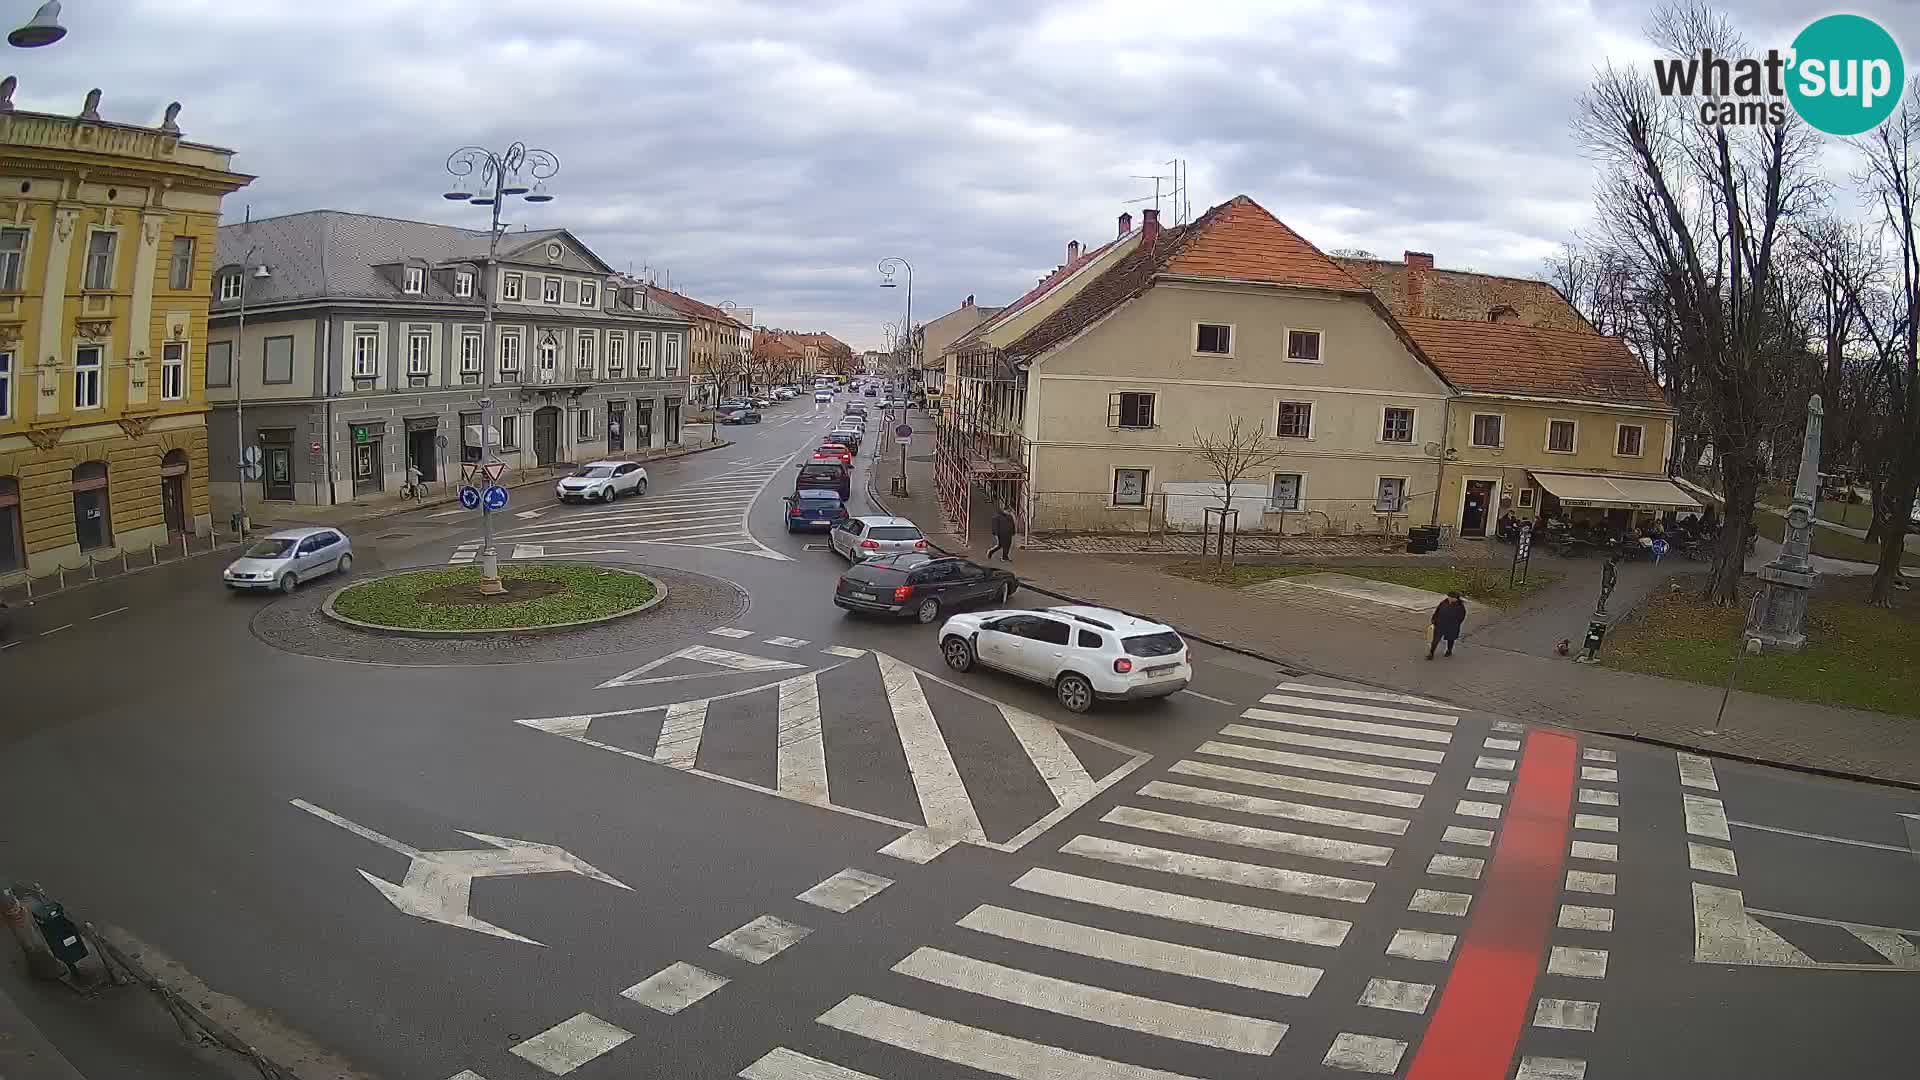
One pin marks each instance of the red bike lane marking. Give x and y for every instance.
(1476, 1027)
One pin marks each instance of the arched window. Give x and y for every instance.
(92, 516)
(13, 538)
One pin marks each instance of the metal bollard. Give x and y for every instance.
(92, 573)
(63, 575)
(153, 553)
(183, 546)
(125, 554)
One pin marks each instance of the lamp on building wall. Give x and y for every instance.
(43, 29)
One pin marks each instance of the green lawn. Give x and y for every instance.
(1834, 545)
(1486, 584)
(1857, 656)
(402, 600)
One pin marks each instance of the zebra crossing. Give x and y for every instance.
(857, 732)
(1184, 933)
(710, 513)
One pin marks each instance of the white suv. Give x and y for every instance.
(1084, 653)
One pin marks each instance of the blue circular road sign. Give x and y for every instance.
(496, 498)
(470, 496)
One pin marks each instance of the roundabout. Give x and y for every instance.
(539, 597)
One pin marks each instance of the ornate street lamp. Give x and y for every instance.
(43, 29)
(888, 267)
(496, 177)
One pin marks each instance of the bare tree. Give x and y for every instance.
(1231, 455)
(1704, 209)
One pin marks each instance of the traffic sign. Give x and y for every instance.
(495, 498)
(904, 431)
(470, 496)
(251, 470)
(494, 470)
(250, 455)
(440, 441)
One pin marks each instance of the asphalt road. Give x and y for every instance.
(1270, 875)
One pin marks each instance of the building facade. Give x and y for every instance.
(720, 347)
(363, 355)
(106, 247)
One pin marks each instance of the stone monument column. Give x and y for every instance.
(1780, 620)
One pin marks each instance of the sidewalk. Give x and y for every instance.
(1538, 689)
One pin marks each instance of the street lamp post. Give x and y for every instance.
(888, 267)
(499, 177)
(240, 382)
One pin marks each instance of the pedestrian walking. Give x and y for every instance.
(1448, 616)
(1002, 535)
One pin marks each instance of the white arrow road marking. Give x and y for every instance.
(529, 513)
(734, 662)
(438, 886)
(528, 551)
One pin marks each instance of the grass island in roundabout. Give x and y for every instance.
(539, 596)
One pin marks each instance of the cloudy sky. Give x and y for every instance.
(769, 152)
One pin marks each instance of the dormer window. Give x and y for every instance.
(463, 283)
(230, 286)
(416, 280)
(589, 294)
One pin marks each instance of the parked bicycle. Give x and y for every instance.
(418, 491)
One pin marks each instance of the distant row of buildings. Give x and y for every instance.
(151, 357)
(1378, 394)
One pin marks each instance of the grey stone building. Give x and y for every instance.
(364, 354)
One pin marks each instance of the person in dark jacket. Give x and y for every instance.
(1448, 616)
(1002, 535)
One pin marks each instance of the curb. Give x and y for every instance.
(327, 609)
(1297, 668)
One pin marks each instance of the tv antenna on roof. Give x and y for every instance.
(1171, 186)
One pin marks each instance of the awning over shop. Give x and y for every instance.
(1615, 492)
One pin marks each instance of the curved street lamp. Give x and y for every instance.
(497, 177)
(888, 267)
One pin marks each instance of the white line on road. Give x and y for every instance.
(679, 741)
(571, 1043)
(1208, 697)
(1208, 868)
(1421, 945)
(762, 939)
(674, 987)
(1697, 771)
(1578, 917)
(1565, 1015)
(1299, 785)
(1220, 832)
(1459, 834)
(4, 646)
(358, 830)
(1407, 997)
(1316, 764)
(845, 890)
(801, 765)
(944, 803)
(781, 1063)
(1438, 902)
(55, 630)
(977, 1048)
(1355, 727)
(1248, 972)
(1149, 1016)
(1336, 745)
(104, 614)
(1367, 695)
(1551, 1068)
(1360, 710)
(1712, 859)
(1364, 1053)
(1459, 866)
(1277, 808)
(1056, 762)
(1896, 848)
(527, 515)
(1193, 910)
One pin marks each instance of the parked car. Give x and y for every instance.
(763, 402)
(786, 393)
(841, 452)
(825, 476)
(916, 585)
(848, 437)
(1086, 654)
(859, 410)
(822, 395)
(602, 481)
(870, 535)
(872, 392)
(814, 510)
(282, 560)
(741, 415)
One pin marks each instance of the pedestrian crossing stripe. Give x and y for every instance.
(1726, 931)
(710, 513)
(801, 773)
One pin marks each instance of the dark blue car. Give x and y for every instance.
(815, 511)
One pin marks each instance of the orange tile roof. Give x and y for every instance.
(1237, 240)
(1511, 358)
(1464, 294)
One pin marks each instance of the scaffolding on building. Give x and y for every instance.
(979, 450)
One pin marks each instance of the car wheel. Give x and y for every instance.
(640, 488)
(612, 494)
(958, 652)
(287, 582)
(345, 564)
(928, 611)
(1074, 692)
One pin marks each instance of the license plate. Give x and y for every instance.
(822, 521)
(1163, 669)
(863, 596)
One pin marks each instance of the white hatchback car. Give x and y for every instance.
(602, 480)
(1086, 654)
(858, 538)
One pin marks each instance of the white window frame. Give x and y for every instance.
(616, 354)
(1313, 418)
(13, 264)
(463, 283)
(370, 355)
(1116, 410)
(508, 350)
(6, 383)
(1620, 429)
(173, 371)
(1113, 487)
(670, 355)
(89, 375)
(643, 354)
(415, 281)
(1233, 340)
(1404, 500)
(1413, 426)
(586, 351)
(1473, 430)
(1574, 446)
(113, 257)
(176, 281)
(472, 345)
(550, 290)
(583, 424)
(549, 352)
(1525, 499)
(419, 352)
(509, 431)
(589, 294)
(1286, 345)
(512, 287)
(1299, 493)
(230, 283)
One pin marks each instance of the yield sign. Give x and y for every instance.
(439, 884)
(494, 470)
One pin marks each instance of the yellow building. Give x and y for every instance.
(106, 258)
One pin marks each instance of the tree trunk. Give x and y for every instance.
(1740, 475)
(1898, 494)
(1876, 494)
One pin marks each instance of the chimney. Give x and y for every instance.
(1149, 227)
(969, 302)
(1073, 252)
(1126, 225)
(1418, 263)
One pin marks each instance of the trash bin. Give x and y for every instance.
(1422, 539)
(900, 486)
